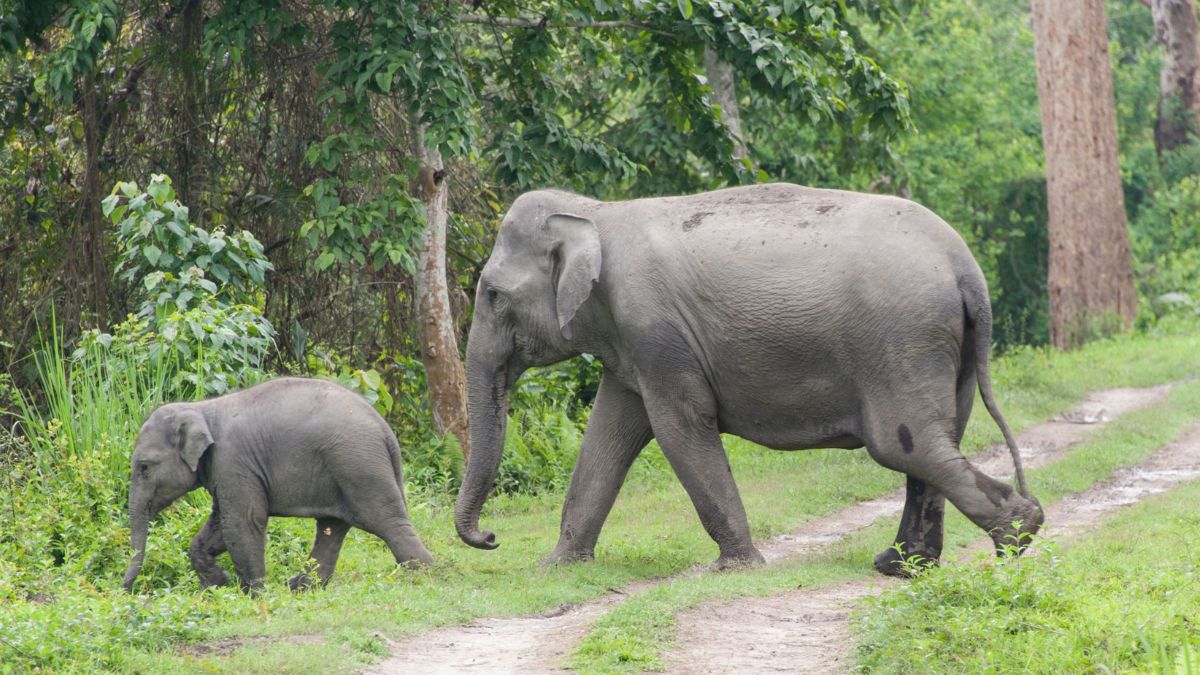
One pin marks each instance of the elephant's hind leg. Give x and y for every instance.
(381, 510)
(327, 545)
(920, 536)
(206, 546)
(925, 448)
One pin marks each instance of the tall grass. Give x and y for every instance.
(93, 402)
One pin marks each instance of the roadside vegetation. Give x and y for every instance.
(1124, 599)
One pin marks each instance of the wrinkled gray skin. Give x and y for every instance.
(288, 447)
(793, 317)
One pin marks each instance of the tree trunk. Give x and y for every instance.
(444, 371)
(90, 223)
(722, 81)
(189, 138)
(1179, 80)
(1091, 271)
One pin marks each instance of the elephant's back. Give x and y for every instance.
(791, 223)
(790, 247)
(295, 413)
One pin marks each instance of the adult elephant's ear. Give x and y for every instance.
(576, 252)
(194, 437)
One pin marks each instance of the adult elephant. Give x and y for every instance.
(793, 317)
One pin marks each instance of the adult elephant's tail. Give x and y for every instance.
(978, 309)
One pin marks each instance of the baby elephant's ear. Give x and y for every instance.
(577, 255)
(194, 437)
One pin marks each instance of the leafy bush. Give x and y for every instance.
(1166, 243)
(540, 450)
(214, 330)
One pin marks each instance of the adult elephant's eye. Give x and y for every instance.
(492, 295)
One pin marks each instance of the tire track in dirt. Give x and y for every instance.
(539, 644)
(808, 630)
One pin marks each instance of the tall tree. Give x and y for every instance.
(722, 81)
(444, 370)
(1176, 28)
(1090, 279)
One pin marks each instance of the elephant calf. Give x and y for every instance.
(288, 447)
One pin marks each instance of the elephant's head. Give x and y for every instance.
(542, 270)
(164, 468)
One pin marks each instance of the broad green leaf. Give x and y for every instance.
(152, 253)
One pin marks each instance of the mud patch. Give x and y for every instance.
(520, 645)
(803, 631)
(695, 220)
(225, 647)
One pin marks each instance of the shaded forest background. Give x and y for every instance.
(308, 125)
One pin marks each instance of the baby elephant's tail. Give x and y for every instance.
(393, 448)
(978, 311)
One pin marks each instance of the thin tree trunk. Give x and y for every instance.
(444, 373)
(722, 81)
(1090, 279)
(1176, 27)
(90, 224)
(189, 138)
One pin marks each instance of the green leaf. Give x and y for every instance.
(685, 8)
(324, 261)
(160, 191)
(153, 279)
(109, 203)
(152, 253)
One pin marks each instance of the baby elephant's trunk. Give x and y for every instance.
(139, 524)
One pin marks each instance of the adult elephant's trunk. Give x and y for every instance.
(139, 526)
(487, 405)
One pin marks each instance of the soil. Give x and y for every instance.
(226, 646)
(806, 630)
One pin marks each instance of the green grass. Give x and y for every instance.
(633, 635)
(83, 620)
(1126, 598)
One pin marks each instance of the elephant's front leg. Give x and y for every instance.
(617, 430)
(685, 423)
(244, 529)
(206, 546)
(920, 531)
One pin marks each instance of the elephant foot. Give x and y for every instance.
(214, 579)
(301, 582)
(745, 558)
(567, 558)
(892, 563)
(1015, 534)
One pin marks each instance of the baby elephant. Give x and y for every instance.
(288, 447)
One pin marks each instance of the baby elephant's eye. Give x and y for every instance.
(143, 468)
